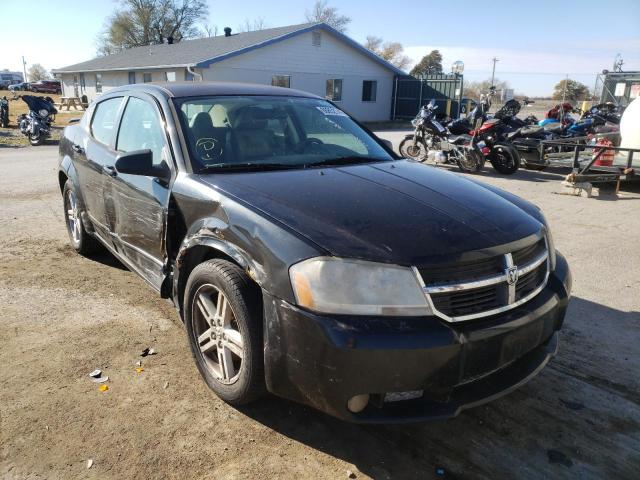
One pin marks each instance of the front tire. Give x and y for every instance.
(223, 318)
(81, 241)
(36, 139)
(505, 159)
(470, 161)
(419, 151)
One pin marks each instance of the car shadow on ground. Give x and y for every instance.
(551, 427)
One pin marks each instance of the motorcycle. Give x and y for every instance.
(37, 123)
(431, 135)
(489, 135)
(4, 112)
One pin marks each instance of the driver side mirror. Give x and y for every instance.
(140, 162)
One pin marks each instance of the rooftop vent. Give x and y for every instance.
(227, 31)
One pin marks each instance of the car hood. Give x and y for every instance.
(398, 212)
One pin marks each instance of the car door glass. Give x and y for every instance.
(140, 129)
(103, 123)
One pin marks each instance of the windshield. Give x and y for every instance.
(253, 132)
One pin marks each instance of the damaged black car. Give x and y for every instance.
(309, 261)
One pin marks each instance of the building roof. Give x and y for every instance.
(203, 52)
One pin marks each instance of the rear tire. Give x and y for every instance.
(223, 318)
(81, 241)
(505, 159)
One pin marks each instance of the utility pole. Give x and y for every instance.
(24, 69)
(493, 73)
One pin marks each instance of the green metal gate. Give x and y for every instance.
(409, 94)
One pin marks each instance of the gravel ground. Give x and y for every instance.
(62, 315)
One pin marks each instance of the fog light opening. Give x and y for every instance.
(358, 403)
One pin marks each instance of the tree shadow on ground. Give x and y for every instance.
(559, 414)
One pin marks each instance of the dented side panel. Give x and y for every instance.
(258, 244)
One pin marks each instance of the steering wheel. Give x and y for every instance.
(209, 148)
(309, 143)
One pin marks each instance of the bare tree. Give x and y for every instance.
(249, 26)
(392, 52)
(322, 12)
(37, 72)
(209, 31)
(147, 22)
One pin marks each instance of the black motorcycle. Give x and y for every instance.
(4, 112)
(431, 135)
(37, 123)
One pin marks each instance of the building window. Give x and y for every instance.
(316, 38)
(170, 76)
(132, 78)
(369, 90)
(281, 81)
(334, 89)
(146, 77)
(98, 83)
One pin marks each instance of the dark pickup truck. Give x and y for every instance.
(306, 259)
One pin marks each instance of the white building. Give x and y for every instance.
(312, 57)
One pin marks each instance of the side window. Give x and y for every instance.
(146, 77)
(141, 129)
(369, 90)
(103, 123)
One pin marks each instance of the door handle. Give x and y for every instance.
(77, 148)
(109, 170)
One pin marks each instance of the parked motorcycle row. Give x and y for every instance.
(503, 138)
(36, 124)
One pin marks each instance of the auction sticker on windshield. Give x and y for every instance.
(328, 110)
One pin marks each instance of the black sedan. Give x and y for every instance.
(306, 259)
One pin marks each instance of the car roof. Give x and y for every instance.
(202, 89)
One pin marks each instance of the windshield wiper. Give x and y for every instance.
(232, 167)
(347, 160)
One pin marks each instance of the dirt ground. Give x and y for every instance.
(62, 315)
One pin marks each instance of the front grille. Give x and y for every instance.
(474, 289)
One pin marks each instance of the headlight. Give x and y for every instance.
(345, 286)
(44, 112)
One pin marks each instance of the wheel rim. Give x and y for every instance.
(73, 216)
(217, 334)
(413, 151)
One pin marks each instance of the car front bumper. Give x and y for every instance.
(323, 361)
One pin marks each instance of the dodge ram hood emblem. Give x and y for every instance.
(512, 275)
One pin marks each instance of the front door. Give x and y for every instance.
(138, 214)
(94, 161)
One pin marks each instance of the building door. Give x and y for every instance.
(75, 86)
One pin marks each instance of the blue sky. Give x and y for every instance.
(538, 43)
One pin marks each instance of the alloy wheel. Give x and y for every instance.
(217, 333)
(73, 216)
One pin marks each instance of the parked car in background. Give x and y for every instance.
(46, 86)
(9, 78)
(19, 87)
(308, 260)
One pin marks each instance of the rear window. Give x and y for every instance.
(103, 123)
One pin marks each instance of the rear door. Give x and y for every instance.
(94, 159)
(138, 214)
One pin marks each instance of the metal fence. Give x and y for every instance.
(410, 94)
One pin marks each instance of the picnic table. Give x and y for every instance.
(69, 102)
